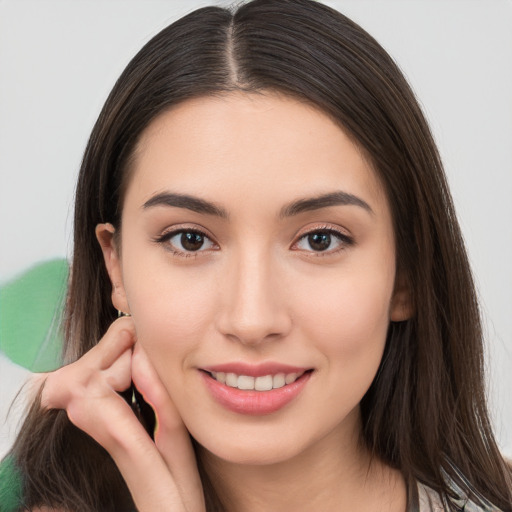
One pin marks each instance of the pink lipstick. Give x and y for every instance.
(255, 389)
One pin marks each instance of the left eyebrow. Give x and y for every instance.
(195, 204)
(323, 201)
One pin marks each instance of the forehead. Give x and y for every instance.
(248, 144)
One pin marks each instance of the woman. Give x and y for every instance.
(262, 195)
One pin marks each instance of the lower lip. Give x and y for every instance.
(254, 402)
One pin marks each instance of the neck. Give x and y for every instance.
(335, 473)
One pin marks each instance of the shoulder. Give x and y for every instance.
(429, 500)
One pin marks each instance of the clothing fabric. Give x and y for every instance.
(429, 500)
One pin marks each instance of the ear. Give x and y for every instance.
(401, 308)
(105, 236)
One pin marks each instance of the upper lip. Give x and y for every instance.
(254, 370)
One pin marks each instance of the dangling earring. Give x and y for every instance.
(122, 313)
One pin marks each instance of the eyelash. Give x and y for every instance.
(167, 236)
(344, 240)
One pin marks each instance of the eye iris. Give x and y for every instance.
(319, 241)
(191, 241)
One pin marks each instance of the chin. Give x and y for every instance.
(267, 448)
(249, 456)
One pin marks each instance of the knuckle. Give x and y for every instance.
(124, 323)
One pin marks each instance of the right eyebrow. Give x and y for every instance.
(337, 198)
(194, 204)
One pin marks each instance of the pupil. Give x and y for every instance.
(319, 241)
(191, 241)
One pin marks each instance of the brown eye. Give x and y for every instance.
(191, 241)
(183, 242)
(319, 241)
(328, 241)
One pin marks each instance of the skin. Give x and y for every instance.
(257, 290)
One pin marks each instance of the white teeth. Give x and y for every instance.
(290, 377)
(231, 380)
(245, 382)
(278, 381)
(263, 383)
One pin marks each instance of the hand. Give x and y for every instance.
(161, 475)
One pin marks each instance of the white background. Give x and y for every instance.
(59, 59)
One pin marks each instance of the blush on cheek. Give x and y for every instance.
(345, 321)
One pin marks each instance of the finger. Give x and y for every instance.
(57, 391)
(119, 337)
(109, 420)
(172, 437)
(118, 375)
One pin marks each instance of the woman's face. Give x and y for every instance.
(257, 248)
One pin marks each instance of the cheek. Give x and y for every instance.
(347, 323)
(172, 310)
(347, 315)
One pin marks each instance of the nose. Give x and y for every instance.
(252, 304)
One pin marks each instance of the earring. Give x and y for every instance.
(122, 313)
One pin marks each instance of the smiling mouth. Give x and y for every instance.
(255, 394)
(261, 383)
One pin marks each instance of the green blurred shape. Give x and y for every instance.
(11, 486)
(30, 313)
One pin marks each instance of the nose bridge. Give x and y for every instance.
(252, 310)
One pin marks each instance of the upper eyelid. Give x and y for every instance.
(174, 230)
(322, 227)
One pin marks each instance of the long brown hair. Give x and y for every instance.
(425, 412)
